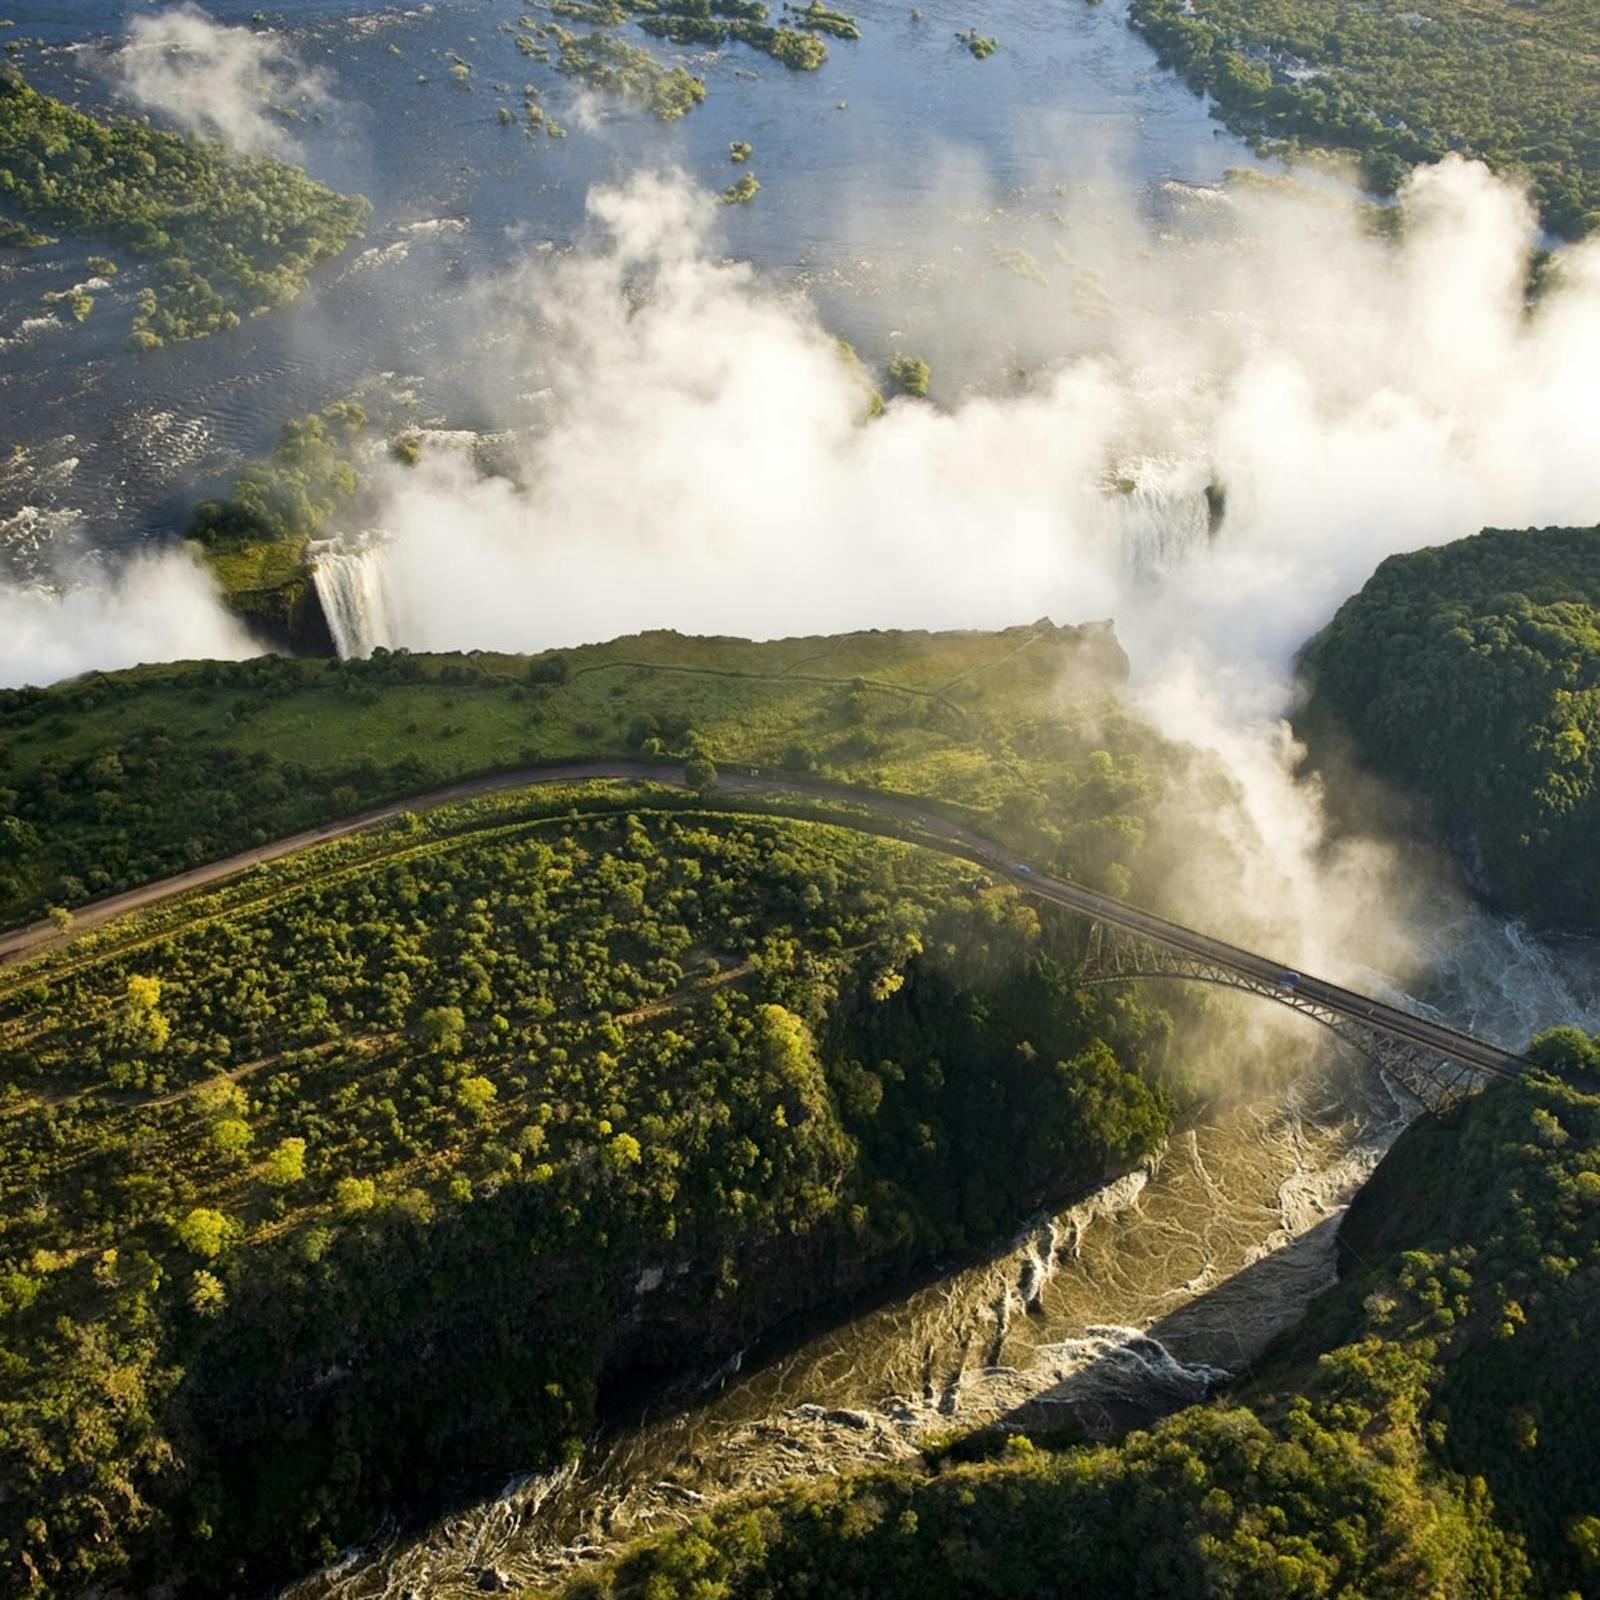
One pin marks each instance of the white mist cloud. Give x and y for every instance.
(706, 468)
(218, 81)
(157, 608)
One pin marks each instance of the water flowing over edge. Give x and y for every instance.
(354, 592)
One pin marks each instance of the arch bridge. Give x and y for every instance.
(1437, 1063)
(1434, 1068)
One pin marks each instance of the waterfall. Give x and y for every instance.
(1160, 524)
(353, 588)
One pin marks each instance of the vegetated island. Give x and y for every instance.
(604, 61)
(231, 235)
(1469, 676)
(254, 539)
(1513, 84)
(910, 375)
(1431, 1428)
(371, 1172)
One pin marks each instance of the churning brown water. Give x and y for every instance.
(1115, 1310)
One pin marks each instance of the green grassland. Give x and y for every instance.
(1431, 1429)
(1515, 84)
(240, 569)
(365, 1176)
(117, 778)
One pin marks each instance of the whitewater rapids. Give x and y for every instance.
(1135, 1301)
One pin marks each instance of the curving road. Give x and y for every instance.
(895, 815)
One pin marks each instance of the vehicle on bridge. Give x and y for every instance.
(1289, 979)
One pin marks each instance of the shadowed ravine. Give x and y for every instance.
(1213, 1251)
(1127, 1305)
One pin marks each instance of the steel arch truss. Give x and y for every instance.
(1115, 955)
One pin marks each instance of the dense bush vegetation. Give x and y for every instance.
(1470, 674)
(356, 1180)
(910, 375)
(231, 235)
(116, 778)
(1433, 1429)
(1512, 83)
(605, 62)
(292, 492)
(19, 236)
(254, 538)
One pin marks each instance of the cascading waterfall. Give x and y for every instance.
(1161, 523)
(352, 585)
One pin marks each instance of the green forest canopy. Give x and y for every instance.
(1515, 84)
(339, 1184)
(231, 235)
(1470, 675)
(117, 778)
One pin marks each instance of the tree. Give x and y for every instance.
(286, 1165)
(700, 774)
(205, 1232)
(442, 1028)
(476, 1095)
(231, 1139)
(1564, 1050)
(140, 1024)
(219, 1099)
(624, 1151)
(206, 1294)
(353, 1196)
(18, 839)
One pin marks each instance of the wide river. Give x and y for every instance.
(901, 154)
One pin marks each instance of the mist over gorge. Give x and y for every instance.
(691, 451)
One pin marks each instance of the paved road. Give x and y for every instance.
(99, 912)
(894, 814)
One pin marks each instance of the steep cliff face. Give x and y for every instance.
(268, 584)
(288, 618)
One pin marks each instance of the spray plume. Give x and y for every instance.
(217, 81)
